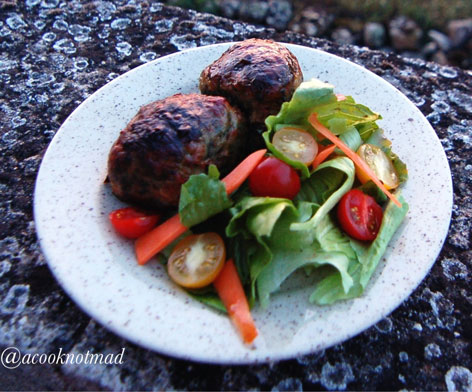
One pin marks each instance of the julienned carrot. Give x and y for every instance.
(229, 288)
(151, 243)
(322, 155)
(351, 154)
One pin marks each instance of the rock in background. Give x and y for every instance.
(412, 29)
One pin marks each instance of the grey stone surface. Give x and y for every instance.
(53, 55)
(374, 35)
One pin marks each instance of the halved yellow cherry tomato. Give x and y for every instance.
(296, 144)
(197, 260)
(380, 164)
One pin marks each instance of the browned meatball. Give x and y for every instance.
(169, 140)
(256, 75)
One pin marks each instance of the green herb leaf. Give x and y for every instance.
(201, 197)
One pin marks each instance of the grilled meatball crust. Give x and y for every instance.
(169, 140)
(256, 75)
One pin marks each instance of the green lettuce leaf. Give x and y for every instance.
(369, 188)
(370, 256)
(330, 288)
(281, 251)
(202, 196)
(286, 263)
(254, 219)
(328, 183)
(351, 138)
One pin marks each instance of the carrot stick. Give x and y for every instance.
(157, 239)
(241, 172)
(229, 288)
(151, 243)
(313, 119)
(322, 155)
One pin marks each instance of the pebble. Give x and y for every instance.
(49, 3)
(106, 10)
(279, 14)
(441, 39)
(124, 48)
(454, 269)
(182, 42)
(49, 37)
(458, 378)
(65, 45)
(440, 107)
(447, 72)
(7, 64)
(460, 31)
(255, 11)
(15, 22)
(289, 384)
(404, 33)
(148, 56)
(80, 63)
(120, 23)
(418, 327)
(5, 267)
(229, 8)
(384, 326)
(403, 356)
(461, 99)
(432, 351)
(336, 377)
(342, 36)
(16, 299)
(155, 7)
(164, 25)
(374, 34)
(60, 24)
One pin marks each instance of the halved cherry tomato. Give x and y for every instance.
(197, 260)
(132, 223)
(380, 164)
(359, 215)
(296, 144)
(274, 178)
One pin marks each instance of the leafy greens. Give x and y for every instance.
(271, 238)
(201, 197)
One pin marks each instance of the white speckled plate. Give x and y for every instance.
(98, 269)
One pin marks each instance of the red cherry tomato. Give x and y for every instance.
(132, 223)
(274, 178)
(359, 215)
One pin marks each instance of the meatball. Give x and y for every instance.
(256, 75)
(169, 140)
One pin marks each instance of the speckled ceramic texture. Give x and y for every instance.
(98, 269)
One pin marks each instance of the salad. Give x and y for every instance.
(323, 198)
